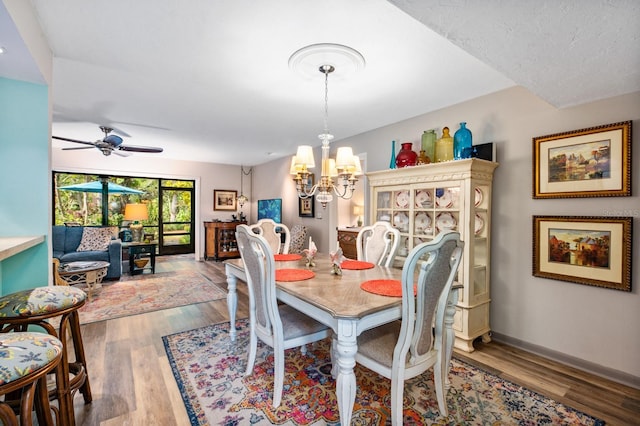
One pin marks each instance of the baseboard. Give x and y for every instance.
(598, 370)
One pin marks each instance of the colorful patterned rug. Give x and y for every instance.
(209, 371)
(138, 294)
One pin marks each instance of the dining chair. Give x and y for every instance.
(298, 239)
(378, 243)
(272, 232)
(279, 326)
(404, 349)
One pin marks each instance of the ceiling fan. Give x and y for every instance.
(110, 144)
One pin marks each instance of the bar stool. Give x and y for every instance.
(27, 358)
(35, 307)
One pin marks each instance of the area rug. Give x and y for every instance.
(209, 370)
(138, 294)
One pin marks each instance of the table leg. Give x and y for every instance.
(91, 280)
(232, 302)
(346, 349)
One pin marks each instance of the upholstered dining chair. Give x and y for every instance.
(298, 239)
(268, 228)
(378, 243)
(405, 349)
(279, 326)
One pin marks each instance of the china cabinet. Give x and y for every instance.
(220, 240)
(424, 200)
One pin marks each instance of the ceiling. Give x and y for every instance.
(209, 80)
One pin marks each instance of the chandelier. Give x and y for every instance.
(243, 198)
(345, 168)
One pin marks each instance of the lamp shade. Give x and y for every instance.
(136, 211)
(358, 210)
(344, 157)
(304, 156)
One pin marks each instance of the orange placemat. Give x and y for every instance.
(294, 274)
(291, 256)
(384, 287)
(356, 264)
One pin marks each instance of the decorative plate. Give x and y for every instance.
(445, 221)
(402, 199)
(422, 223)
(478, 196)
(479, 224)
(445, 200)
(401, 221)
(423, 199)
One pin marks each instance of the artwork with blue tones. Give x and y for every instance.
(270, 209)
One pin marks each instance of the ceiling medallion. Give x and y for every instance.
(345, 60)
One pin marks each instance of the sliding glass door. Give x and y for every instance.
(177, 231)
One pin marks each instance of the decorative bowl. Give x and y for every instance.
(141, 263)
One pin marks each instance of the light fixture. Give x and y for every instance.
(136, 212)
(243, 198)
(346, 167)
(358, 211)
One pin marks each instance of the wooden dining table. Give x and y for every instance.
(336, 301)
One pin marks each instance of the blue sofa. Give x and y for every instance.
(66, 239)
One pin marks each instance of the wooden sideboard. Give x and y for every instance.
(220, 240)
(347, 240)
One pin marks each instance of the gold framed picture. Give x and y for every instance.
(225, 200)
(583, 249)
(593, 162)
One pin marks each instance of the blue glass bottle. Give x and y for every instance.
(462, 142)
(392, 163)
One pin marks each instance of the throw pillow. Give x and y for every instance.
(95, 239)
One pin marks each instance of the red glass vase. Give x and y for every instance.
(406, 157)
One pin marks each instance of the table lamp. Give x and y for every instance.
(136, 212)
(358, 211)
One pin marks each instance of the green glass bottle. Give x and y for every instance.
(429, 144)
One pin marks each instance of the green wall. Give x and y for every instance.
(24, 177)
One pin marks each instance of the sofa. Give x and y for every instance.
(105, 246)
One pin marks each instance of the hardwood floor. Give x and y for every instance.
(132, 382)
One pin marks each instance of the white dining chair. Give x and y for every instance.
(378, 243)
(404, 349)
(279, 326)
(272, 232)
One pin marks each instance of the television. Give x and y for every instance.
(270, 209)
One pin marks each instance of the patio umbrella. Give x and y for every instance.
(105, 188)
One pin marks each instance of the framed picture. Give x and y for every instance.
(306, 206)
(594, 162)
(270, 209)
(224, 200)
(585, 250)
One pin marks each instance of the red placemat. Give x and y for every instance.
(294, 274)
(356, 264)
(391, 288)
(281, 257)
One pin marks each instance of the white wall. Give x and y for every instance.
(596, 326)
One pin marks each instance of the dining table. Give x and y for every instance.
(337, 301)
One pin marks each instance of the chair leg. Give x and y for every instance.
(253, 348)
(397, 403)
(278, 374)
(7, 416)
(43, 409)
(334, 358)
(439, 374)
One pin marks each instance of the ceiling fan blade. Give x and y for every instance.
(80, 147)
(73, 140)
(133, 148)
